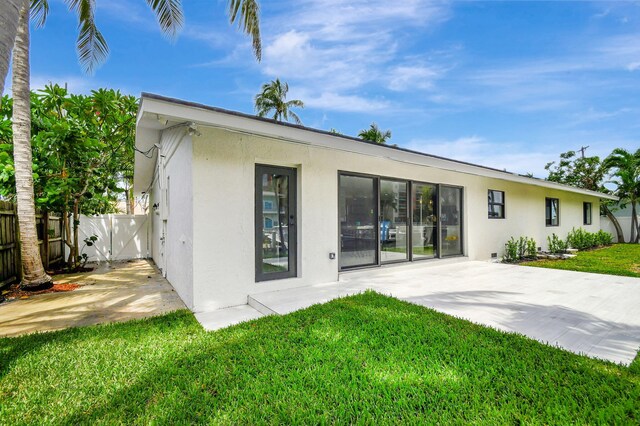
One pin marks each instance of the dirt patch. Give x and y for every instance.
(14, 291)
(635, 268)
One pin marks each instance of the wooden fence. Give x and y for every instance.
(50, 231)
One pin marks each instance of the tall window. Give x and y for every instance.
(552, 211)
(586, 213)
(496, 204)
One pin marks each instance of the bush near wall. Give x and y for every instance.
(583, 240)
(520, 249)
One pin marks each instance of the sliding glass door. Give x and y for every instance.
(358, 215)
(384, 220)
(394, 240)
(450, 220)
(424, 224)
(275, 223)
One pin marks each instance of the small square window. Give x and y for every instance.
(586, 213)
(496, 204)
(552, 211)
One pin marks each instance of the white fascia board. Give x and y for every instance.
(177, 111)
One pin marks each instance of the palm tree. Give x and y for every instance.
(374, 134)
(9, 15)
(92, 50)
(273, 99)
(34, 275)
(625, 167)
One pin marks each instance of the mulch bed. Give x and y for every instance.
(14, 291)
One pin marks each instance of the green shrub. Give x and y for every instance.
(556, 245)
(582, 240)
(510, 251)
(603, 238)
(532, 248)
(522, 248)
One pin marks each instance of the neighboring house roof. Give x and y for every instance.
(157, 113)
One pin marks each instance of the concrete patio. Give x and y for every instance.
(113, 292)
(593, 314)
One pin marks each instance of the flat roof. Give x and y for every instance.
(170, 111)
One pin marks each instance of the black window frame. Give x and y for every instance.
(587, 219)
(493, 203)
(547, 209)
(292, 220)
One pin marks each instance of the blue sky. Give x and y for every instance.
(503, 84)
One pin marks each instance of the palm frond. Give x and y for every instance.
(247, 12)
(169, 15)
(91, 46)
(39, 12)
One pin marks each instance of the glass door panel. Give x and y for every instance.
(424, 234)
(358, 214)
(394, 240)
(451, 220)
(275, 223)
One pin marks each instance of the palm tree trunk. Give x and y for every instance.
(633, 237)
(9, 15)
(616, 224)
(34, 276)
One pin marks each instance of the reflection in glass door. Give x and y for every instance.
(424, 234)
(451, 220)
(358, 214)
(275, 222)
(393, 221)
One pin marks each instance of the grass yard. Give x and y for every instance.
(618, 259)
(362, 359)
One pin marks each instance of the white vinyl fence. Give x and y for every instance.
(625, 224)
(120, 237)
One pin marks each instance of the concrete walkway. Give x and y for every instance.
(119, 291)
(593, 314)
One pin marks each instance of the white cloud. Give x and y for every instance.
(332, 49)
(477, 150)
(408, 77)
(344, 103)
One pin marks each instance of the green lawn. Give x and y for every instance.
(363, 359)
(618, 259)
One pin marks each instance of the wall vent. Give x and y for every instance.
(494, 255)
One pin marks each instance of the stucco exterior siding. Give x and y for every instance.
(172, 245)
(223, 210)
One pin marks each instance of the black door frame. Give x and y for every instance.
(292, 222)
(410, 184)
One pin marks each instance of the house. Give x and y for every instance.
(242, 205)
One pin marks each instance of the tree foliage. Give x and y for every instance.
(83, 149)
(624, 167)
(374, 134)
(272, 100)
(588, 173)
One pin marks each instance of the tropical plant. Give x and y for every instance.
(556, 244)
(83, 148)
(92, 50)
(587, 173)
(9, 16)
(272, 100)
(34, 276)
(520, 249)
(374, 134)
(624, 168)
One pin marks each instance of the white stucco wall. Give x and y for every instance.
(172, 191)
(223, 211)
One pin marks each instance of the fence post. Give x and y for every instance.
(18, 246)
(45, 239)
